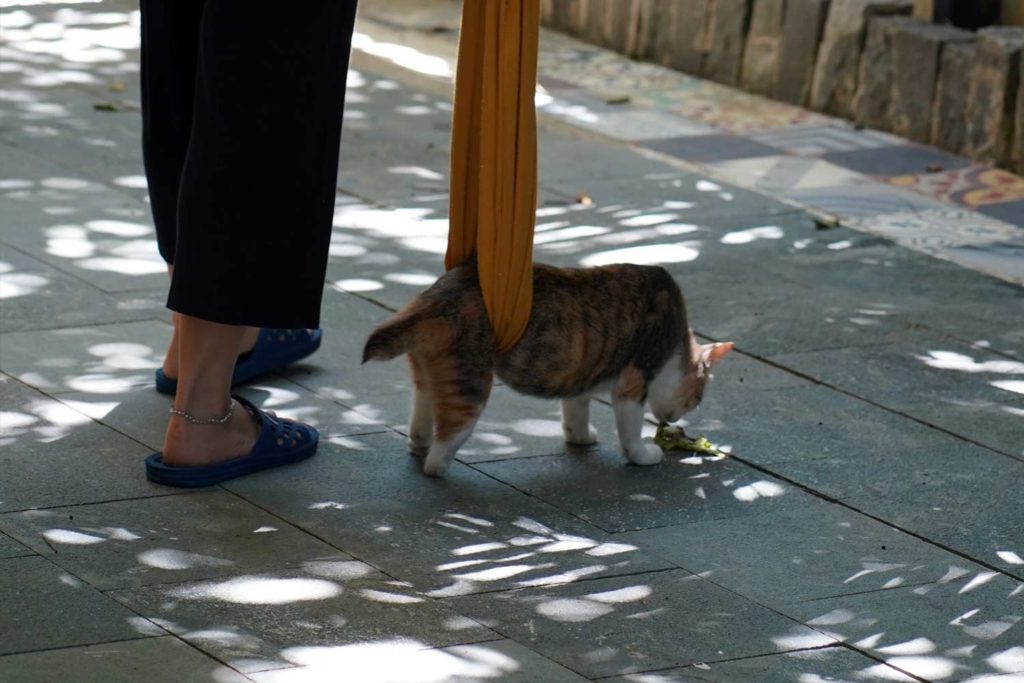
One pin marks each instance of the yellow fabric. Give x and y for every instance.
(494, 157)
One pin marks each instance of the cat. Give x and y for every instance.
(620, 329)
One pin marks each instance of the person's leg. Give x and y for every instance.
(256, 201)
(207, 353)
(170, 53)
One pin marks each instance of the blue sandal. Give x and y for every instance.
(274, 350)
(281, 442)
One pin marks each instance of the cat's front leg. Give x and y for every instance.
(629, 420)
(576, 421)
(421, 422)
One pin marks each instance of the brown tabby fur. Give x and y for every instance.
(590, 329)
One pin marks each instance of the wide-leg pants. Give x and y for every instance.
(242, 107)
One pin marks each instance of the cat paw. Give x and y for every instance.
(645, 454)
(418, 448)
(579, 438)
(435, 467)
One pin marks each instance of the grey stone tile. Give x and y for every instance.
(504, 660)
(85, 228)
(45, 608)
(148, 303)
(638, 623)
(11, 548)
(99, 360)
(155, 660)
(807, 424)
(951, 631)
(601, 488)
(57, 456)
(802, 553)
(259, 622)
(936, 466)
(835, 664)
(968, 513)
(37, 296)
(170, 539)
(658, 191)
(941, 370)
(468, 532)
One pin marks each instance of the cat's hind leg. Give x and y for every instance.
(458, 394)
(421, 418)
(576, 421)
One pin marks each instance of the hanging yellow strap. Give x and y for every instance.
(494, 157)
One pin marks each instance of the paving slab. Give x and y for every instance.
(387, 662)
(468, 532)
(170, 539)
(951, 631)
(11, 548)
(834, 664)
(796, 554)
(948, 379)
(46, 608)
(260, 622)
(37, 296)
(804, 425)
(155, 660)
(603, 489)
(638, 623)
(99, 359)
(80, 226)
(52, 448)
(967, 514)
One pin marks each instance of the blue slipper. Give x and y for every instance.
(274, 350)
(281, 442)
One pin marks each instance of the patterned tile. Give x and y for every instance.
(819, 140)
(940, 229)
(778, 174)
(710, 148)
(1002, 259)
(896, 160)
(1011, 212)
(867, 199)
(731, 110)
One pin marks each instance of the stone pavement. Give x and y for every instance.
(867, 525)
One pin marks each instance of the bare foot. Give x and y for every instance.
(170, 365)
(197, 445)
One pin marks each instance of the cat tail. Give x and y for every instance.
(391, 339)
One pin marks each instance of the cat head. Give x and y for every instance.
(679, 387)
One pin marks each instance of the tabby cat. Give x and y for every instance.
(619, 328)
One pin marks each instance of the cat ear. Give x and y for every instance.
(713, 353)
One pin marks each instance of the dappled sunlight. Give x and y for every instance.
(404, 56)
(938, 631)
(951, 360)
(541, 557)
(171, 559)
(256, 590)
(14, 284)
(393, 661)
(767, 232)
(45, 421)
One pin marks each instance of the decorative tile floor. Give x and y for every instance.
(921, 197)
(777, 174)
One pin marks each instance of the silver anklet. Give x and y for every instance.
(208, 421)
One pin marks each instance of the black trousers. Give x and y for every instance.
(242, 107)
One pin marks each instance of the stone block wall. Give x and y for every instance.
(868, 61)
